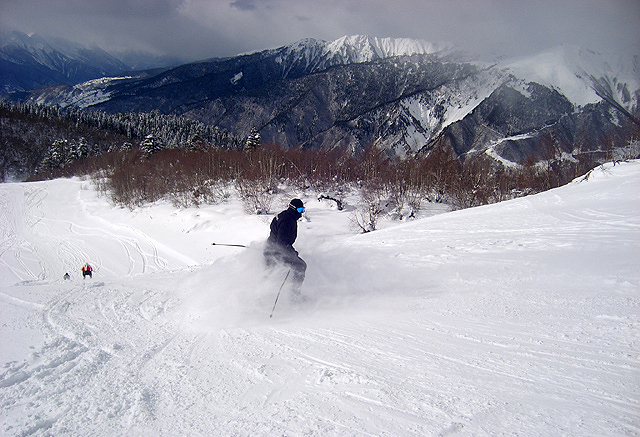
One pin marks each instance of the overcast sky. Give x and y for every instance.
(199, 29)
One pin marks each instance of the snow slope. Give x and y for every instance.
(519, 318)
(578, 74)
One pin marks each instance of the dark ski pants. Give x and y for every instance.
(290, 259)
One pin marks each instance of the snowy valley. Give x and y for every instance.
(518, 318)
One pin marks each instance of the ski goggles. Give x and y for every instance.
(300, 210)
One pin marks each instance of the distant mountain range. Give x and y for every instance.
(28, 62)
(404, 96)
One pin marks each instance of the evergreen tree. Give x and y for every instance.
(72, 154)
(55, 157)
(150, 145)
(82, 149)
(59, 150)
(253, 140)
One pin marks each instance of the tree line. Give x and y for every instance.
(39, 138)
(137, 159)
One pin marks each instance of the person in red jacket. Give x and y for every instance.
(86, 271)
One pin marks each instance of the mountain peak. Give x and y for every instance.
(317, 55)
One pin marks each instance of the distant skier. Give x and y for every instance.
(66, 276)
(279, 248)
(87, 271)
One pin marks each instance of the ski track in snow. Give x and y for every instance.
(512, 319)
(69, 244)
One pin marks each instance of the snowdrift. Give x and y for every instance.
(518, 318)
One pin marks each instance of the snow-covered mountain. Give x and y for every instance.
(30, 61)
(581, 75)
(518, 318)
(402, 95)
(318, 55)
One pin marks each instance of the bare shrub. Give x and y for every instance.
(373, 203)
(256, 195)
(387, 187)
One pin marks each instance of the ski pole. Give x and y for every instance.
(228, 245)
(278, 295)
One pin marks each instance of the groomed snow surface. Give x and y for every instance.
(520, 318)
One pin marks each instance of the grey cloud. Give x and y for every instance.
(245, 5)
(198, 29)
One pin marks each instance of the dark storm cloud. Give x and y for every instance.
(197, 29)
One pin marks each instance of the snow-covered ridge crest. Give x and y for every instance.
(370, 48)
(316, 55)
(363, 48)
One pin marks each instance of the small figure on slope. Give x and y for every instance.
(87, 271)
(279, 248)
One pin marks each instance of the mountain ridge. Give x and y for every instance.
(54, 62)
(31, 61)
(402, 95)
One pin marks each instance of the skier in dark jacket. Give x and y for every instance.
(279, 248)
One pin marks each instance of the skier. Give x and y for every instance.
(279, 248)
(66, 276)
(86, 271)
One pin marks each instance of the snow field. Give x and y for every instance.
(519, 318)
